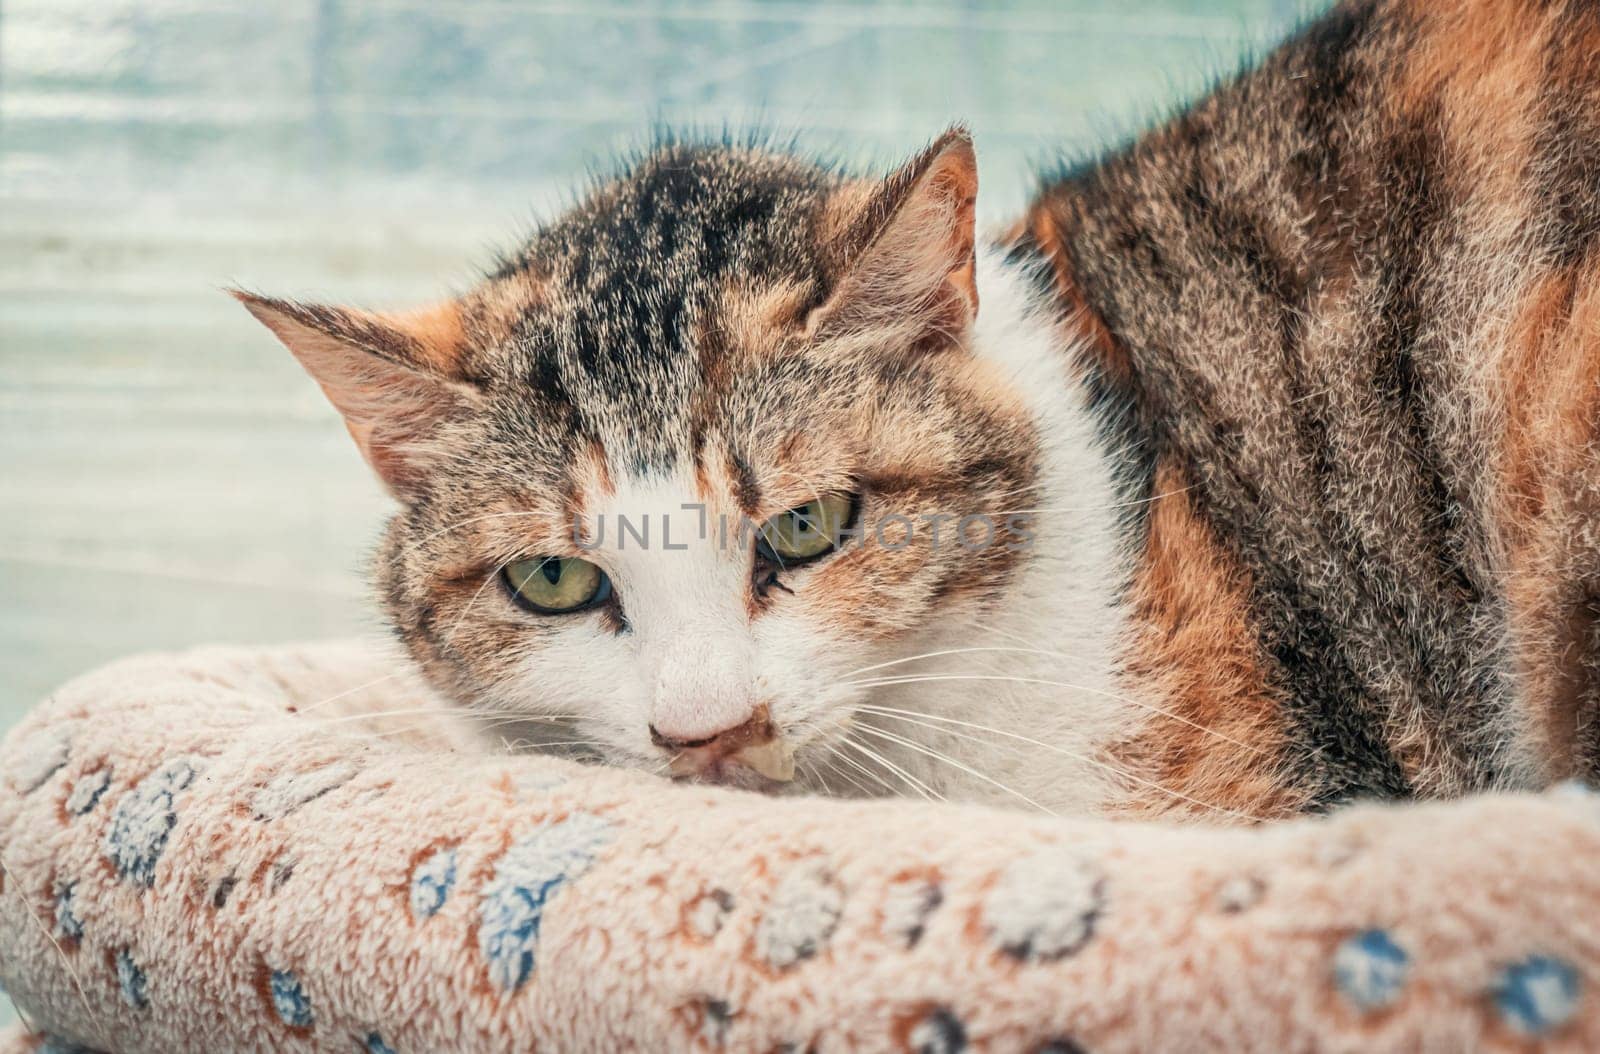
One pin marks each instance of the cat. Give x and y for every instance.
(1266, 450)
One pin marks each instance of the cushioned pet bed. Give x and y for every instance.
(217, 851)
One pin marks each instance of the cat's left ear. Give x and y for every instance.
(395, 378)
(904, 249)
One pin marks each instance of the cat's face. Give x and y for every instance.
(600, 451)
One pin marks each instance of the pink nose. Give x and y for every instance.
(754, 731)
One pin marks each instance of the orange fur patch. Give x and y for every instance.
(1045, 231)
(1195, 653)
(956, 179)
(750, 325)
(907, 252)
(591, 474)
(758, 320)
(440, 333)
(492, 313)
(1550, 489)
(1482, 62)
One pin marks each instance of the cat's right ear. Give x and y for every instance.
(395, 378)
(904, 249)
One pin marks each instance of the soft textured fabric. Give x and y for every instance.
(209, 852)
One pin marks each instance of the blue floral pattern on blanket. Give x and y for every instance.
(530, 873)
(431, 883)
(88, 791)
(1370, 969)
(290, 1000)
(144, 818)
(130, 980)
(68, 925)
(1538, 994)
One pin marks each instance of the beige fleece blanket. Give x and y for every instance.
(208, 852)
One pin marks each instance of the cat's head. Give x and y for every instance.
(582, 444)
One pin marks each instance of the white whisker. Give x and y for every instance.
(449, 638)
(937, 756)
(912, 717)
(831, 764)
(879, 682)
(868, 773)
(952, 651)
(450, 634)
(811, 776)
(816, 495)
(345, 719)
(349, 691)
(922, 788)
(523, 746)
(14, 884)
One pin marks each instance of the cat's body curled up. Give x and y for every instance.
(1255, 469)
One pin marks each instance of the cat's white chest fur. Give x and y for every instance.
(1022, 703)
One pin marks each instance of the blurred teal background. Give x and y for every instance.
(169, 476)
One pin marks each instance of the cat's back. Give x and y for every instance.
(1347, 310)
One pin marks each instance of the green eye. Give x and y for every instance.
(553, 585)
(807, 531)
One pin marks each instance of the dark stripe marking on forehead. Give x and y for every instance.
(635, 271)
